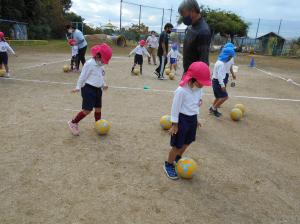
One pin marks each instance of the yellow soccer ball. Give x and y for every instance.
(136, 71)
(186, 168)
(171, 76)
(66, 68)
(167, 71)
(165, 122)
(236, 114)
(241, 107)
(2, 72)
(102, 127)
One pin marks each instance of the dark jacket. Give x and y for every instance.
(196, 44)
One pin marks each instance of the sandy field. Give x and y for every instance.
(249, 171)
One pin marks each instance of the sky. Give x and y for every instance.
(99, 12)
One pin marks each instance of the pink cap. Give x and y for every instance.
(142, 43)
(72, 42)
(199, 71)
(1, 34)
(104, 50)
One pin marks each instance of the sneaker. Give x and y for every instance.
(7, 75)
(217, 113)
(73, 128)
(170, 171)
(211, 110)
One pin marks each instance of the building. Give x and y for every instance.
(271, 44)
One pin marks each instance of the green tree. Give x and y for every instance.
(223, 22)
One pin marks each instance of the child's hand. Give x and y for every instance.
(75, 91)
(105, 87)
(16, 55)
(174, 129)
(199, 125)
(129, 55)
(200, 103)
(234, 77)
(223, 89)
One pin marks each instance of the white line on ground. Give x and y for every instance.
(278, 76)
(149, 90)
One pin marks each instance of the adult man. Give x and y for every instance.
(80, 42)
(163, 49)
(198, 36)
(152, 43)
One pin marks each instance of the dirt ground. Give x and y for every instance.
(248, 171)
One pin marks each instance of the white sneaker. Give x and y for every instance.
(7, 75)
(73, 128)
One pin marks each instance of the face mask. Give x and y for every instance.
(99, 62)
(187, 20)
(153, 35)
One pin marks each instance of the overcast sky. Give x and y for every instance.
(99, 12)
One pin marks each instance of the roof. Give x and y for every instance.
(270, 34)
(11, 21)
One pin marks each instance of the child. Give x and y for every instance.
(91, 82)
(185, 108)
(74, 59)
(174, 57)
(229, 68)
(139, 51)
(219, 75)
(4, 48)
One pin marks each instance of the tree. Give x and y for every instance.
(223, 22)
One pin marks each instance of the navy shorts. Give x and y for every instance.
(187, 129)
(218, 92)
(173, 61)
(91, 97)
(138, 59)
(3, 58)
(226, 79)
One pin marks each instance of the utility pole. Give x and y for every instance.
(140, 16)
(279, 26)
(171, 15)
(121, 1)
(257, 29)
(162, 20)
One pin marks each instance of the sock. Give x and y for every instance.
(141, 69)
(97, 116)
(178, 157)
(79, 117)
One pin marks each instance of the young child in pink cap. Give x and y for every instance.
(4, 48)
(185, 108)
(139, 52)
(91, 82)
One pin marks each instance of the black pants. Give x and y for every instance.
(81, 56)
(161, 68)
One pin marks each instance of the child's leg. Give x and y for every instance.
(72, 62)
(82, 114)
(220, 102)
(97, 114)
(174, 152)
(6, 68)
(141, 69)
(134, 64)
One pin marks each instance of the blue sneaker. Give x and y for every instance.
(170, 171)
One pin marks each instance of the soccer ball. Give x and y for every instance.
(186, 168)
(136, 71)
(165, 122)
(236, 114)
(171, 76)
(66, 68)
(241, 107)
(167, 71)
(2, 72)
(102, 127)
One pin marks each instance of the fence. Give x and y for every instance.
(153, 17)
(13, 29)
